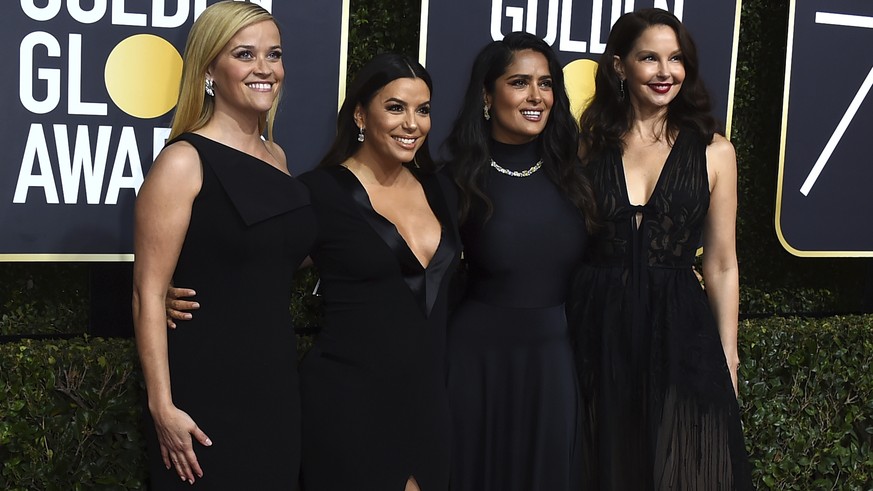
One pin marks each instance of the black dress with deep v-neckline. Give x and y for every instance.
(373, 393)
(658, 403)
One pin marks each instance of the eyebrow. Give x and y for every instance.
(252, 47)
(527, 76)
(653, 52)
(401, 101)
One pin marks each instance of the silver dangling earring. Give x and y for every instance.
(361, 134)
(210, 87)
(621, 89)
(485, 112)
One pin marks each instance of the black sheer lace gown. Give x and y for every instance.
(658, 405)
(373, 393)
(512, 379)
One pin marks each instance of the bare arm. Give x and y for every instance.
(163, 210)
(720, 271)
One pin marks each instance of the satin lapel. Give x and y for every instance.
(423, 282)
(444, 256)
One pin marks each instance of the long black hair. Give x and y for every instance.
(609, 116)
(380, 71)
(468, 142)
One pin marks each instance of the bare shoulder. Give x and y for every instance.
(276, 151)
(720, 152)
(178, 164)
(179, 155)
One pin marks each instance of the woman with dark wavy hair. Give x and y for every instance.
(657, 356)
(526, 210)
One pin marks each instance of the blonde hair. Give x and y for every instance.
(210, 33)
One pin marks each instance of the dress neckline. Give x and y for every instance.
(423, 281)
(364, 200)
(236, 150)
(515, 157)
(658, 183)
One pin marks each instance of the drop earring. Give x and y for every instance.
(361, 134)
(210, 87)
(485, 112)
(621, 89)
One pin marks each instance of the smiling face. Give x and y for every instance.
(522, 98)
(653, 70)
(248, 72)
(395, 122)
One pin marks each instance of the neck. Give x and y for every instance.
(242, 132)
(650, 126)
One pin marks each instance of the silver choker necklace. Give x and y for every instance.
(517, 173)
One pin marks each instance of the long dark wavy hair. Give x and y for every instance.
(468, 142)
(380, 71)
(609, 116)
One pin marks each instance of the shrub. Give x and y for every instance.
(70, 410)
(70, 415)
(43, 298)
(807, 402)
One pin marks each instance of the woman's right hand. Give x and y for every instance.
(175, 429)
(177, 307)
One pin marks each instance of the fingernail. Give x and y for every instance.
(196, 305)
(208, 442)
(190, 481)
(168, 467)
(182, 478)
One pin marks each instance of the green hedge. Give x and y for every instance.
(43, 298)
(807, 402)
(69, 411)
(69, 415)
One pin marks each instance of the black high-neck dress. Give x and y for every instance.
(375, 406)
(234, 369)
(658, 403)
(512, 379)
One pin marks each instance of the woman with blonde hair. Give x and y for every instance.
(219, 210)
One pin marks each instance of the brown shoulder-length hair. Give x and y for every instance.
(609, 116)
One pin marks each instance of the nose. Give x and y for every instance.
(409, 122)
(663, 69)
(262, 66)
(534, 94)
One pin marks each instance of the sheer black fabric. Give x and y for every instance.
(373, 388)
(512, 382)
(233, 369)
(658, 405)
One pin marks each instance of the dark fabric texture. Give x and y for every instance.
(233, 368)
(373, 387)
(658, 404)
(512, 381)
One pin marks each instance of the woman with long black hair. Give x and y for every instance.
(526, 211)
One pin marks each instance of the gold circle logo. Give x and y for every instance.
(579, 79)
(142, 76)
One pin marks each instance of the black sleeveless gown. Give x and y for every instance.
(375, 407)
(233, 369)
(512, 379)
(658, 403)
